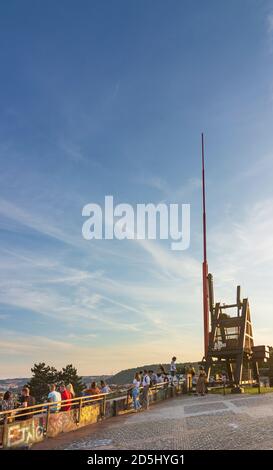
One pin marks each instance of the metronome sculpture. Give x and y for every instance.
(231, 340)
(227, 338)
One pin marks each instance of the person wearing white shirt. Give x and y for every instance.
(173, 369)
(135, 392)
(160, 379)
(54, 396)
(146, 384)
(104, 388)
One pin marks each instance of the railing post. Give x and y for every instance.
(80, 411)
(5, 431)
(187, 384)
(104, 407)
(114, 408)
(47, 420)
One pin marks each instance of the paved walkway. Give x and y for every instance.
(210, 422)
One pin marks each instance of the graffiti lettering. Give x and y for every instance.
(24, 433)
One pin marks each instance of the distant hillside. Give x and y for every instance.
(17, 383)
(88, 379)
(126, 376)
(13, 384)
(121, 378)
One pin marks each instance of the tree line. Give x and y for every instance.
(43, 375)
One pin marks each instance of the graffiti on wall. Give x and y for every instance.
(64, 421)
(25, 432)
(29, 431)
(90, 414)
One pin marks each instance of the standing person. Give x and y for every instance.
(26, 399)
(54, 396)
(146, 381)
(201, 382)
(70, 389)
(65, 395)
(104, 388)
(153, 377)
(173, 369)
(8, 402)
(191, 375)
(94, 389)
(160, 379)
(135, 391)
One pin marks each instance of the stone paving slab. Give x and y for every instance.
(206, 407)
(210, 422)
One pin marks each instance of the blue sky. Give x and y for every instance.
(109, 97)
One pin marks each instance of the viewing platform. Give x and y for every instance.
(210, 422)
(175, 420)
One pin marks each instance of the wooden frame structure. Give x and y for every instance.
(231, 339)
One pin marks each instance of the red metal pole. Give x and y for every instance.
(205, 263)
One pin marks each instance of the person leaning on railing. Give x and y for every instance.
(160, 378)
(54, 396)
(153, 377)
(71, 390)
(92, 390)
(146, 382)
(135, 392)
(66, 395)
(8, 403)
(104, 388)
(26, 399)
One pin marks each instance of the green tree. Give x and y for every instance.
(43, 375)
(69, 374)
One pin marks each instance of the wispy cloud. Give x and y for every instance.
(168, 192)
(270, 23)
(14, 212)
(73, 151)
(88, 358)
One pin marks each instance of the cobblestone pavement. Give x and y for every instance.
(211, 422)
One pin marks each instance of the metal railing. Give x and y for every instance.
(52, 407)
(75, 403)
(13, 423)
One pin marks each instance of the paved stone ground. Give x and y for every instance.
(210, 422)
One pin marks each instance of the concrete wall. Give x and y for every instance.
(21, 433)
(24, 433)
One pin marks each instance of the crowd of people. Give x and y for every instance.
(62, 396)
(144, 380)
(66, 393)
(63, 393)
(10, 402)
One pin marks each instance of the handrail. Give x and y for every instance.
(85, 399)
(41, 407)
